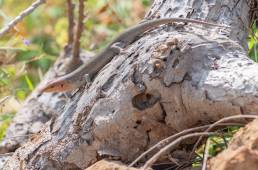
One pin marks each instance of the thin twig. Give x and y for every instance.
(218, 122)
(167, 140)
(23, 14)
(173, 160)
(206, 154)
(70, 15)
(173, 137)
(170, 146)
(79, 29)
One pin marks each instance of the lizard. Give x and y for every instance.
(86, 72)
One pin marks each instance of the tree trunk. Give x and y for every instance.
(172, 78)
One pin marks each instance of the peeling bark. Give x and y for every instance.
(172, 78)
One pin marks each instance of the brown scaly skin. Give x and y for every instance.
(57, 86)
(77, 78)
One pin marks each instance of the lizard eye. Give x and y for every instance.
(62, 85)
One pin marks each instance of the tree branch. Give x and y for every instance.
(24, 13)
(79, 29)
(70, 15)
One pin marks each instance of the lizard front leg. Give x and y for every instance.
(118, 47)
(87, 78)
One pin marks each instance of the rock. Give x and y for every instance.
(109, 165)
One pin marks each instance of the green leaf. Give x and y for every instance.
(27, 55)
(43, 63)
(20, 94)
(29, 82)
(146, 2)
(5, 117)
(251, 43)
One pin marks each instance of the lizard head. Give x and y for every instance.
(57, 86)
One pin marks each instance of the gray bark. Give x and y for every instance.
(155, 89)
(38, 108)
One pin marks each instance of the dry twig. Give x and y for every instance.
(165, 141)
(170, 146)
(23, 14)
(219, 122)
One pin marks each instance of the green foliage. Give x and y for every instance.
(252, 44)
(217, 144)
(5, 121)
